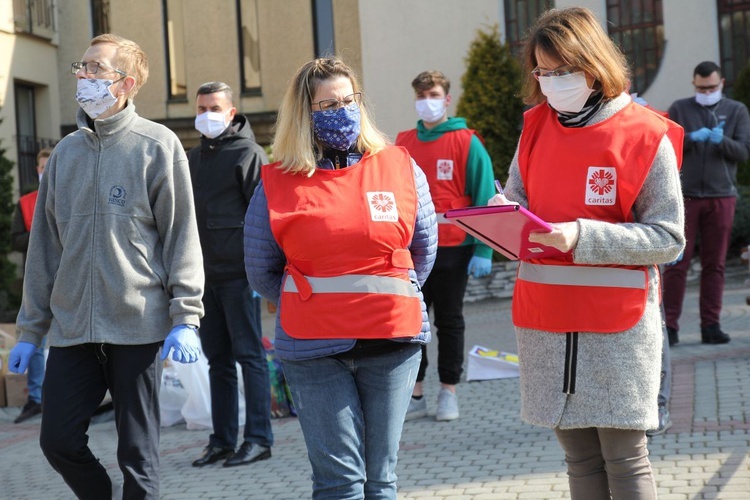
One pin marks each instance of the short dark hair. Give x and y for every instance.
(705, 69)
(213, 87)
(428, 79)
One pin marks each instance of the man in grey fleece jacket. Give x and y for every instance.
(114, 267)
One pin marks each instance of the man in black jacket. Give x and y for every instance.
(225, 169)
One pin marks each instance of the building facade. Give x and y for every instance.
(256, 45)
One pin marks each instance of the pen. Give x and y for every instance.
(499, 187)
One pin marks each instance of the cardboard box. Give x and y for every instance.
(486, 364)
(7, 338)
(16, 389)
(4, 354)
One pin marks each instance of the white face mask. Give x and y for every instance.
(709, 99)
(94, 97)
(211, 124)
(568, 93)
(430, 110)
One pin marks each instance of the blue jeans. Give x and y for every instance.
(35, 375)
(352, 412)
(231, 332)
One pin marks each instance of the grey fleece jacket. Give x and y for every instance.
(617, 374)
(114, 255)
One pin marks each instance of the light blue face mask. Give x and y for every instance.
(338, 129)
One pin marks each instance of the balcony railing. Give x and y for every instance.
(36, 17)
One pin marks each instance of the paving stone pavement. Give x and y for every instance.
(487, 454)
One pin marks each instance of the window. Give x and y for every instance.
(99, 17)
(34, 16)
(323, 27)
(249, 37)
(174, 31)
(519, 16)
(637, 26)
(734, 44)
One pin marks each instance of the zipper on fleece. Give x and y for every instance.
(571, 360)
(93, 236)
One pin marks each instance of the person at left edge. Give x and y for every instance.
(224, 170)
(341, 233)
(114, 275)
(459, 171)
(19, 237)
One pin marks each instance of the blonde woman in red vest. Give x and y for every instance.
(604, 171)
(341, 233)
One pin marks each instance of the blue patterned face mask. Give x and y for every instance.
(337, 129)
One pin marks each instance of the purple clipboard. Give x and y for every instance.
(505, 228)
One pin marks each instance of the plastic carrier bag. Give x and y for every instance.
(172, 397)
(281, 396)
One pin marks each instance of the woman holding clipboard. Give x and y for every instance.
(604, 172)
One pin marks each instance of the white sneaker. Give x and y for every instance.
(447, 406)
(417, 409)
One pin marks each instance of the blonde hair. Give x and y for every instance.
(43, 153)
(129, 58)
(294, 142)
(575, 37)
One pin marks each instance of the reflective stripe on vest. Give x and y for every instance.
(356, 283)
(581, 276)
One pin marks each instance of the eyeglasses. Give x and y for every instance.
(707, 88)
(560, 71)
(92, 68)
(350, 102)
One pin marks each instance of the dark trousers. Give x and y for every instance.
(76, 382)
(231, 333)
(444, 289)
(711, 218)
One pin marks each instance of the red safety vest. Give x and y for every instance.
(444, 163)
(567, 176)
(27, 203)
(345, 234)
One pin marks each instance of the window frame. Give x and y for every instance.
(731, 40)
(246, 91)
(644, 53)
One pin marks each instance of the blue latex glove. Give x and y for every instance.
(256, 295)
(18, 359)
(479, 266)
(184, 341)
(700, 135)
(717, 133)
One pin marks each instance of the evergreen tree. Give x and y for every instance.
(490, 101)
(9, 301)
(741, 92)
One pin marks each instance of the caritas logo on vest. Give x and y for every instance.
(601, 186)
(382, 206)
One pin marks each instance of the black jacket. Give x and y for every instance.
(224, 173)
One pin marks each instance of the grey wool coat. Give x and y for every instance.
(617, 374)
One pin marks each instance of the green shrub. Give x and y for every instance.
(9, 301)
(490, 101)
(741, 225)
(741, 92)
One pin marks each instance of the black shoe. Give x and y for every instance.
(213, 454)
(713, 335)
(672, 336)
(248, 453)
(30, 409)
